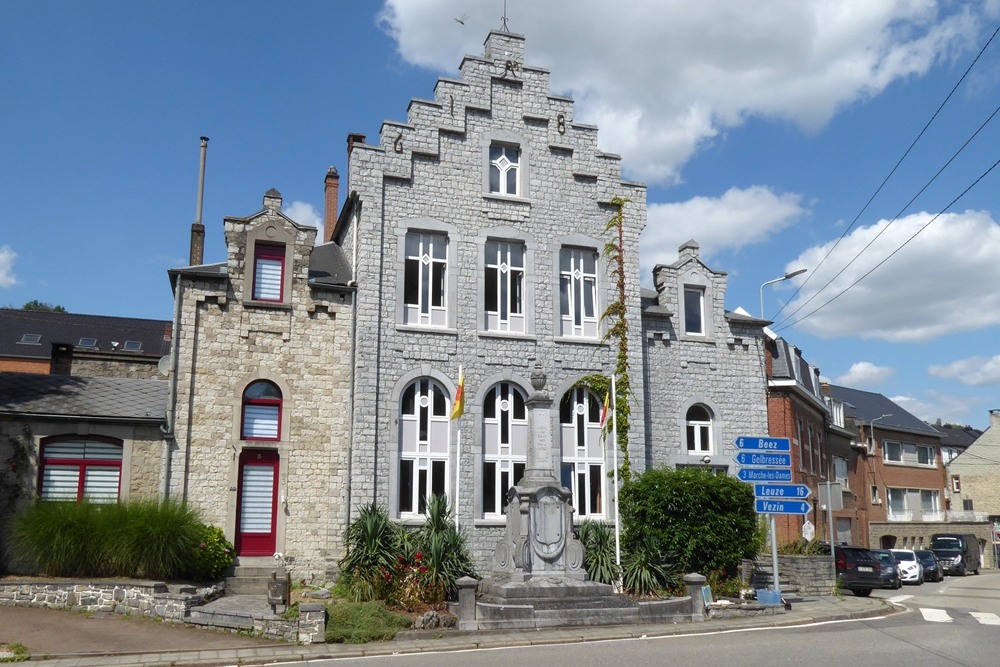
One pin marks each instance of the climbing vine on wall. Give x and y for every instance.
(18, 451)
(615, 315)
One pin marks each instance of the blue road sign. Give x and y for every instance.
(765, 506)
(764, 459)
(764, 443)
(781, 491)
(764, 475)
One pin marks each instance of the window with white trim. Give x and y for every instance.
(582, 468)
(503, 287)
(578, 292)
(694, 311)
(424, 432)
(505, 170)
(840, 471)
(268, 272)
(425, 280)
(909, 453)
(913, 504)
(505, 445)
(74, 469)
(261, 412)
(698, 422)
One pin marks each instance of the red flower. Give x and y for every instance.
(422, 569)
(399, 559)
(418, 556)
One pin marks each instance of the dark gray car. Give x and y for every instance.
(858, 570)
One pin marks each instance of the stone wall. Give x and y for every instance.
(807, 575)
(917, 535)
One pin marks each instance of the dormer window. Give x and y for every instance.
(87, 342)
(268, 272)
(132, 346)
(30, 339)
(694, 311)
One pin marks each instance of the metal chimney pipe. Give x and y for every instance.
(197, 254)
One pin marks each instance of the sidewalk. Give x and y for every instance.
(58, 638)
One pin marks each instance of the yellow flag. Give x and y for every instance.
(458, 407)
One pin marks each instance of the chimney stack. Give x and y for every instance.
(331, 189)
(197, 255)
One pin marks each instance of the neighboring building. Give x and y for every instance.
(85, 345)
(262, 386)
(477, 227)
(703, 368)
(974, 480)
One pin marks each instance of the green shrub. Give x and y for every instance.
(213, 555)
(598, 542)
(723, 585)
(373, 543)
(705, 522)
(803, 547)
(646, 568)
(150, 539)
(57, 539)
(360, 622)
(444, 551)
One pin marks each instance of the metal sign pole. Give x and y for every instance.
(774, 557)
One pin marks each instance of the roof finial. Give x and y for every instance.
(504, 17)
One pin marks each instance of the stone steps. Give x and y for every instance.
(252, 579)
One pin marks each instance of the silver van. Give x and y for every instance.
(958, 552)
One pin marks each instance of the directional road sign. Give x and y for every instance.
(764, 475)
(765, 506)
(799, 491)
(763, 459)
(764, 443)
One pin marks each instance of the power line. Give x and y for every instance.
(879, 189)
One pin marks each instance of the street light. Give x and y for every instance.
(871, 427)
(787, 276)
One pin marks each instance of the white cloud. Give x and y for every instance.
(661, 78)
(864, 374)
(7, 257)
(739, 217)
(306, 214)
(936, 405)
(941, 283)
(974, 371)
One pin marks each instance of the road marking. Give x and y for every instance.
(900, 598)
(985, 617)
(936, 615)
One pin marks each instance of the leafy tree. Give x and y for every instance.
(42, 307)
(705, 522)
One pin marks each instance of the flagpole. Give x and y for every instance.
(458, 446)
(614, 430)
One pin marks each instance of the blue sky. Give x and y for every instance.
(762, 130)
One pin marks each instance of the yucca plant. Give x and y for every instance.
(443, 548)
(598, 541)
(373, 543)
(646, 568)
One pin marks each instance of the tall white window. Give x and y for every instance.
(699, 430)
(582, 468)
(505, 168)
(505, 445)
(425, 280)
(694, 311)
(578, 292)
(913, 504)
(424, 429)
(268, 272)
(504, 286)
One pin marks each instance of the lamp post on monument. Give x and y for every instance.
(787, 276)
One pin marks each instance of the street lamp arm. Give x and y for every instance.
(787, 276)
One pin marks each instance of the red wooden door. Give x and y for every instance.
(257, 506)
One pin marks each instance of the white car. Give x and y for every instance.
(910, 569)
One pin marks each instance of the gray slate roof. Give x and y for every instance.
(97, 398)
(866, 405)
(70, 328)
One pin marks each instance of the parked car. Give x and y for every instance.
(910, 569)
(958, 553)
(890, 569)
(858, 570)
(932, 566)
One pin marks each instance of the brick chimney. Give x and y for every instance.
(331, 188)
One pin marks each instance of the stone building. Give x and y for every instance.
(476, 228)
(703, 368)
(973, 481)
(261, 385)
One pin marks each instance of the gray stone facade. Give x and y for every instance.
(429, 176)
(301, 343)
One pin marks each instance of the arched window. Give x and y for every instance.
(74, 468)
(261, 411)
(699, 430)
(582, 451)
(505, 445)
(424, 431)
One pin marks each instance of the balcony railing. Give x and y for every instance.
(917, 515)
(966, 515)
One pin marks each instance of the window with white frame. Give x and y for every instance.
(578, 292)
(503, 288)
(913, 504)
(75, 469)
(582, 468)
(425, 280)
(505, 445)
(925, 455)
(505, 170)
(694, 311)
(840, 471)
(424, 432)
(268, 272)
(892, 452)
(948, 454)
(909, 453)
(261, 414)
(699, 430)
